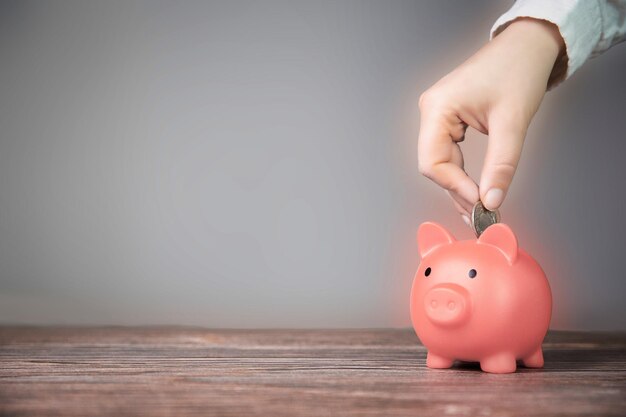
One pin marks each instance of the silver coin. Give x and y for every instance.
(482, 218)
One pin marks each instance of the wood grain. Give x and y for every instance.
(164, 371)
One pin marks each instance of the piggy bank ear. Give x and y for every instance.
(430, 235)
(502, 237)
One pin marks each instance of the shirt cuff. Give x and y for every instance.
(578, 21)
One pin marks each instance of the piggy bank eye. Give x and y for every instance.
(472, 273)
(427, 271)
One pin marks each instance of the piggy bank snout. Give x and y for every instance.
(447, 305)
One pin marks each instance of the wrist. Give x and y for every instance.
(541, 40)
(544, 33)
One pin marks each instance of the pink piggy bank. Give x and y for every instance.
(480, 300)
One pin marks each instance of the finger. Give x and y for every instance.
(460, 209)
(457, 159)
(506, 139)
(438, 157)
(458, 202)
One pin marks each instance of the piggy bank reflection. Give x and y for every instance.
(480, 300)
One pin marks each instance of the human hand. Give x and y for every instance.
(497, 91)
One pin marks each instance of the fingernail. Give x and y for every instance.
(493, 198)
(465, 219)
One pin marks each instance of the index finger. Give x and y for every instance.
(440, 158)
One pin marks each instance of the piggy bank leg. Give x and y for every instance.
(535, 360)
(501, 363)
(438, 362)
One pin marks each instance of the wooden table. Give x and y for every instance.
(161, 371)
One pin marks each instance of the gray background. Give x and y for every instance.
(246, 164)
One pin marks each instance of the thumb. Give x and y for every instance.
(504, 149)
